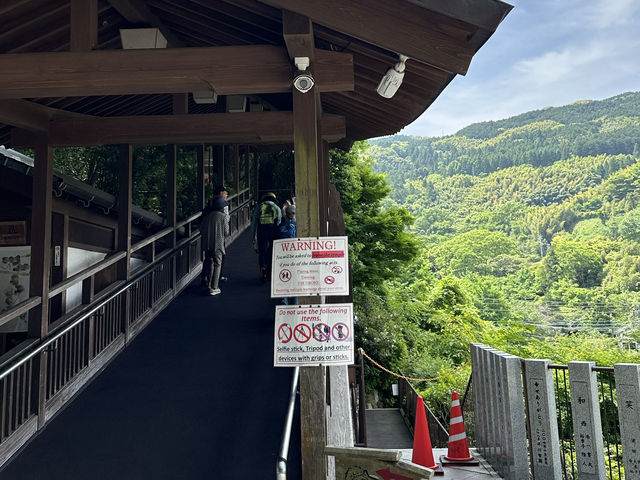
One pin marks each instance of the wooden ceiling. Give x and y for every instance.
(359, 36)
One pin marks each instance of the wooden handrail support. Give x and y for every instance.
(19, 309)
(192, 218)
(157, 236)
(78, 277)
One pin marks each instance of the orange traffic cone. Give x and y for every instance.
(422, 451)
(458, 452)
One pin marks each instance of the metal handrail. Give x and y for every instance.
(281, 468)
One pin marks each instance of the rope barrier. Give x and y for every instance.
(412, 378)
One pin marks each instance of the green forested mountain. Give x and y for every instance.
(529, 232)
(538, 138)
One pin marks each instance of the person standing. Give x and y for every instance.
(214, 229)
(288, 229)
(264, 225)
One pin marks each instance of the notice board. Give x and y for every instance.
(310, 266)
(313, 334)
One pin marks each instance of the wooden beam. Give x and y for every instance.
(180, 103)
(84, 25)
(137, 11)
(249, 127)
(399, 26)
(31, 116)
(298, 34)
(252, 69)
(24, 114)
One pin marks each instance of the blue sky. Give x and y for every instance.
(545, 53)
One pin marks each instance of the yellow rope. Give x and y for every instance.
(411, 378)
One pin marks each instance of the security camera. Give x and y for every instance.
(392, 79)
(303, 82)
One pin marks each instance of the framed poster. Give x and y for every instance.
(15, 267)
(13, 233)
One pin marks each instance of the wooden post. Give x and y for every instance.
(171, 204)
(60, 241)
(312, 379)
(84, 25)
(124, 229)
(41, 202)
(200, 203)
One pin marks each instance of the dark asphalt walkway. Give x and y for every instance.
(194, 396)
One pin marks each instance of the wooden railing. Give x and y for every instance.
(81, 343)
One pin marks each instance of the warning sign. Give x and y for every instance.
(310, 266)
(313, 335)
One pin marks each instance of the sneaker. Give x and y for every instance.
(214, 291)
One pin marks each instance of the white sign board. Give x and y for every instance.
(310, 266)
(313, 335)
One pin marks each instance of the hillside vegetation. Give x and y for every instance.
(529, 240)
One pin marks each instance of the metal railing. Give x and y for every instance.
(38, 376)
(281, 467)
(608, 414)
(407, 397)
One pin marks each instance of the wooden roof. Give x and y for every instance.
(359, 36)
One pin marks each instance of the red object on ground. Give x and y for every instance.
(422, 451)
(458, 446)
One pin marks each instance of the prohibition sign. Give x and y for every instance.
(284, 333)
(285, 275)
(302, 333)
(340, 331)
(322, 332)
(336, 269)
(329, 279)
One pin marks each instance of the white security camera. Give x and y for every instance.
(303, 82)
(392, 79)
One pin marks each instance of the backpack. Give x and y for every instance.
(268, 214)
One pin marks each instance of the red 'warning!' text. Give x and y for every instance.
(334, 254)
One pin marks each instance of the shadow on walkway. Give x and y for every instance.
(194, 396)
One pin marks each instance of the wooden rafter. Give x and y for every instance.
(228, 70)
(254, 127)
(399, 26)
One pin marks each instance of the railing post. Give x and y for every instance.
(543, 421)
(514, 440)
(479, 405)
(362, 411)
(42, 202)
(587, 426)
(628, 391)
(124, 230)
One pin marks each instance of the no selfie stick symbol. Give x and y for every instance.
(284, 333)
(329, 280)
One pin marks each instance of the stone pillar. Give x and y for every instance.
(479, 405)
(515, 432)
(628, 391)
(587, 426)
(545, 447)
